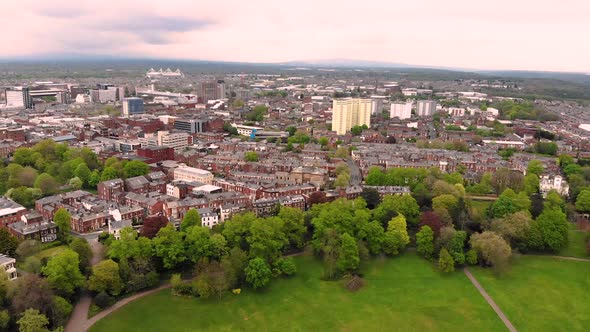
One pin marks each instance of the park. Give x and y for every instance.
(401, 293)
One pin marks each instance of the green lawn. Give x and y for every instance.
(577, 244)
(404, 293)
(542, 293)
(50, 252)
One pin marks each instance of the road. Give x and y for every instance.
(355, 173)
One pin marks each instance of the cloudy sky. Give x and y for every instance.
(498, 34)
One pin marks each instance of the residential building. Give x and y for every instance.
(209, 218)
(212, 90)
(9, 266)
(350, 112)
(401, 110)
(33, 227)
(115, 227)
(10, 212)
(425, 107)
(557, 183)
(156, 154)
(191, 174)
(132, 106)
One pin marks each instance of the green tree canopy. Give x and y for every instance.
(63, 272)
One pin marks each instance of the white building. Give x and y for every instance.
(177, 140)
(9, 266)
(18, 97)
(557, 183)
(425, 107)
(401, 110)
(209, 218)
(191, 174)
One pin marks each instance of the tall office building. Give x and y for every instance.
(425, 107)
(132, 105)
(190, 125)
(18, 97)
(401, 110)
(212, 90)
(350, 112)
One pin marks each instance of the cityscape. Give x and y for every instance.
(160, 192)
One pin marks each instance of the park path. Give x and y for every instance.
(81, 324)
(490, 301)
(80, 313)
(569, 258)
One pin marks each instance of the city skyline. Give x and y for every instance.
(528, 35)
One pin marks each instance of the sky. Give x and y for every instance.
(500, 34)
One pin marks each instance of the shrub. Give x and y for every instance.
(354, 283)
(287, 266)
(445, 261)
(103, 300)
(471, 257)
(180, 287)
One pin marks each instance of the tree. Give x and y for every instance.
(109, 173)
(136, 168)
(531, 184)
(291, 130)
(432, 220)
(502, 206)
(33, 321)
(190, 219)
(169, 246)
(105, 278)
(83, 173)
(82, 248)
(8, 243)
(395, 204)
(94, 179)
(317, 197)
(251, 156)
(213, 278)
(46, 183)
(348, 255)
(62, 219)
(583, 201)
(4, 320)
(396, 237)
(342, 152)
(554, 201)
(505, 178)
(31, 291)
(342, 180)
(549, 232)
(371, 196)
(61, 310)
(293, 225)
(63, 272)
(513, 227)
(76, 183)
(536, 167)
(266, 238)
(492, 248)
(425, 242)
(258, 273)
(445, 261)
(151, 226)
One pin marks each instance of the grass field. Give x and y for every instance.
(404, 293)
(577, 244)
(542, 293)
(50, 252)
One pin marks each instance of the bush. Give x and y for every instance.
(471, 257)
(104, 300)
(354, 283)
(180, 287)
(445, 261)
(286, 266)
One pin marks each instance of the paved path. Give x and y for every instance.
(569, 258)
(80, 313)
(490, 301)
(81, 325)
